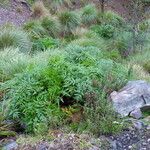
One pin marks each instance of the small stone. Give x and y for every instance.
(113, 144)
(148, 140)
(11, 146)
(148, 127)
(138, 125)
(144, 144)
(137, 114)
(130, 147)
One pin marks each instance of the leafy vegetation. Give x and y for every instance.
(59, 69)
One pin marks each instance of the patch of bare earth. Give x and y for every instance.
(17, 13)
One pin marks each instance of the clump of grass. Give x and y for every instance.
(109, 17)
(12, 37)
(5, 130)
(51, 25)
(39, 10)
(89, 14)
(11, 63)
(69, 21)
(35, 29)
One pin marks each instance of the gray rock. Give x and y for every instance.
(148, 127)
(10, 146)
(135, 95)
(137, 114)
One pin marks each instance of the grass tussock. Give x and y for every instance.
(39, 10)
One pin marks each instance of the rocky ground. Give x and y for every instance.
(136, 137)
(16, 13)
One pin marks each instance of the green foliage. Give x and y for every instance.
(33, 98)
(45, 43)
(83, 55)
(12, 37)
(105, 31)
(31, 1)
(51, 26)
(69, 20)
(100, 117)
(89, 14)
(41, 90)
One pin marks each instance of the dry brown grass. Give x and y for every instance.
(39, 10)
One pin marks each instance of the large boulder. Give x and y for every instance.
(135, 95)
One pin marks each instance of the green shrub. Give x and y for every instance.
(89, 14)
(45, 43)
(83, 55)
(69, 20)
(35, 96)
(51, 26)
(12, 37)
(93, 58)
(105, 31)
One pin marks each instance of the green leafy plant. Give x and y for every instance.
(45, 43)
(38, 91)
(35, 97)
(105, 31)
